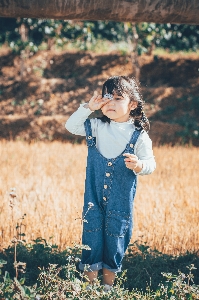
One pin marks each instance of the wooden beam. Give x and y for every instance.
(157, 11)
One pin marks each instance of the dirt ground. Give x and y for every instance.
(38, 93)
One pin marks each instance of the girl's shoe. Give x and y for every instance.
(107, 288)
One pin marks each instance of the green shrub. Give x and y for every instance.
(53, 274)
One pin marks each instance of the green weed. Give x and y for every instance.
(53, 274)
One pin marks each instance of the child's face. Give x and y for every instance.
(119, 108)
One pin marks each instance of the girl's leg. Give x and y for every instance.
(91, 260)
(91, 275)
(108, 277)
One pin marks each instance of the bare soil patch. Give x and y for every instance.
(37, 94)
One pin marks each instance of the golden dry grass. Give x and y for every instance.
(49, 181)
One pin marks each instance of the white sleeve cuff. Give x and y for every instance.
(88, 110)
(143, 169)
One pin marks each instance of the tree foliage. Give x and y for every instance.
(30, 33)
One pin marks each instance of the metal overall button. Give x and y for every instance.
(108, 174)
(105, 186)
(89, 137)
(131, 145)
(109, 163)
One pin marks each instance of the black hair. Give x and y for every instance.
(121, 85)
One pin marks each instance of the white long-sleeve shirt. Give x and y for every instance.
(111, 139)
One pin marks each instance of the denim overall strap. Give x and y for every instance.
(90, 140)
(133, 140)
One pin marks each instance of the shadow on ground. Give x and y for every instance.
(38, 94)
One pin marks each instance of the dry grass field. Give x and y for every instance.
(49, 182)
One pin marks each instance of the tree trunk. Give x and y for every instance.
(157, 11)
(134, 53)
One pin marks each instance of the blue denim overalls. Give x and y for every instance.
(110, 186)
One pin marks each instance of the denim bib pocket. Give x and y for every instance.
(117, 223)
(92, 219)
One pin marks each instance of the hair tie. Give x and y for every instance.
(108, 96)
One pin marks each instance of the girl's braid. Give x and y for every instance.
(140, 119)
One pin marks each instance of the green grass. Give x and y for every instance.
(105, 46)
(54, 274)
(162, 51)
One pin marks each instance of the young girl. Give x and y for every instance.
(119, 149)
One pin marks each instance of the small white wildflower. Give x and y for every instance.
(13, 193)
(14, 240)
(40, 101)
(13, 197)
(77, 259)
(195, 132)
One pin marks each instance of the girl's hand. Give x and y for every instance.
(132, 162)
(96, 102)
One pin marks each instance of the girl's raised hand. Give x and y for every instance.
(132, 162)
(96, 102)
